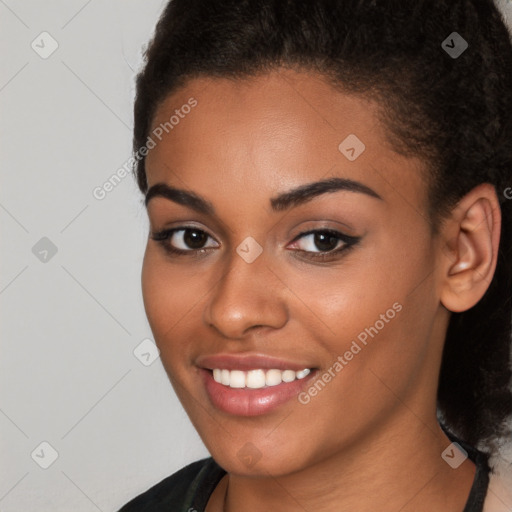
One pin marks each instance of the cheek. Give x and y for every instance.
(384, 300)
(154, 292)
(166, 290)
(390, 315)
(174, 298)
(167, 299)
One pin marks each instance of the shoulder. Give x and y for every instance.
(499, 495)
(177, 489)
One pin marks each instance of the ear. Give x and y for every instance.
(472, 234)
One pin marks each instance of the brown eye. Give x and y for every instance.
(325, 241)
(194, 238)
(184, 240)
(323, 245)
(322, 241)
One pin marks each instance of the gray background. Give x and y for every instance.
(72, 319)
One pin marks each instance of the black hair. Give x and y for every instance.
(452, 111)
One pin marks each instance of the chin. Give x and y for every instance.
(250, 461)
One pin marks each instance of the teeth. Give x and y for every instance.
(288, 376)
(273, 377)
(237, 379)
(302, 373)
(256, 379)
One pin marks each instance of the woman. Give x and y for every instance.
(328, 268)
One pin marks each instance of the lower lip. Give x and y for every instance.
(251, 402)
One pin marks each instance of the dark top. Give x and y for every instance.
(189, 489)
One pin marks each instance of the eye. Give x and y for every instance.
(192, 241)
(325, 242)
(183, 240)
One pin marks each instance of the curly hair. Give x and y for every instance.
(454, 112)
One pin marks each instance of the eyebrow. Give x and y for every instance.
(283, 201)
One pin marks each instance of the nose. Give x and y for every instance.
(247, 296)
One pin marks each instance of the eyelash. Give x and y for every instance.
(163, 238)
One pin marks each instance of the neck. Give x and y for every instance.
(403, 471)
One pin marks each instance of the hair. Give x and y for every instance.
(453, 113)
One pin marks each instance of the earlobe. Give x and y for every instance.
(474, 231)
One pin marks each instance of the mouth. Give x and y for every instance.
(259, 378)
(252, 384)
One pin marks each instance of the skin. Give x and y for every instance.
(372, 430)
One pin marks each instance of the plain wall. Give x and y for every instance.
(70, 324)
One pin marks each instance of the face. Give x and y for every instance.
(243, 273)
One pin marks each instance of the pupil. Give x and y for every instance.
(325, 241)
(194, 239)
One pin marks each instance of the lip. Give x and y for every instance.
(251, 402)
(248, 401)
(248, 362)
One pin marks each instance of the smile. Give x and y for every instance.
(257, 379)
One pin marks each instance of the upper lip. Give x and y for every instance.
(248, 362)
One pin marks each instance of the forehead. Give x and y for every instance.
(272, 132)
